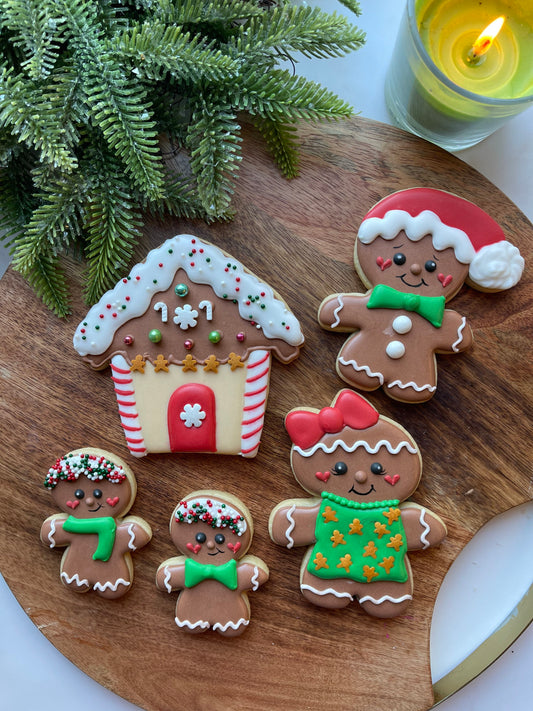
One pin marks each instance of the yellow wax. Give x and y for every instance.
(449, 28)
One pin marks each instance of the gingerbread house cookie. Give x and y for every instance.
(189, 335)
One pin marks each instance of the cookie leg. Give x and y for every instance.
(409, 392)
(360, 376)
(386, 599)
(333, 594)
(74, 582)
(112, 590)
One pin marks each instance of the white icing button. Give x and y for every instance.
(395, 349)
(402, 324)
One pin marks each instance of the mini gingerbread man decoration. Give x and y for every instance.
(414, 250)
(213, 530)
(94, 490)
(360, 466)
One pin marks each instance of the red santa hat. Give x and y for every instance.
(452, 221)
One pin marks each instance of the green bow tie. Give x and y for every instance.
(429, 307)
(197, 572)
(105, 528)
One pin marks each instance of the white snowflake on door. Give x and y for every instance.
(192, 415)
(185, 316)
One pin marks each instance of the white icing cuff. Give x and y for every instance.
(292, 524)
(385, 598)
(327, 591)
(191, 625)
(234, 625)
(111, 586)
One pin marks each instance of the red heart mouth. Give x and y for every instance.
(234, 547)
(323, 476)
(391, 479)
(383, 263)
(73, 504)
(444, 280)
(194, 548)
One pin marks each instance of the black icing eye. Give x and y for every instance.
(200, 537)
(220, 538)
(399, 259)
(79, 493)
(97, 493)
(377, 468)
(430, 265)
(339, 468)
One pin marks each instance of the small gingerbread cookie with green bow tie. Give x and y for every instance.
(213, 530)
(414, 251)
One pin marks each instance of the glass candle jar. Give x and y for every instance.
(435, 88)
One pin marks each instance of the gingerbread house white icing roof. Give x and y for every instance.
(204, 264)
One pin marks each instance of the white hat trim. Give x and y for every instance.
(426, 222)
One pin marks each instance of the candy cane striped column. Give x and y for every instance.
(127, 407)
(255, 397)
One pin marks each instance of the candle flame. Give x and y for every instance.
(485, 40)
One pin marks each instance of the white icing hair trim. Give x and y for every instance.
(351, 448)
(497, 266)
(426, 222)
(204, 264)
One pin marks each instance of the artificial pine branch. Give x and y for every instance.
(88, 89)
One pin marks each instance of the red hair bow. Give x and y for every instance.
(349, 409)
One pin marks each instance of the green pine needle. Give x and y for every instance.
(95, 93)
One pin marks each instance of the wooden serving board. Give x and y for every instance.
(474, 435)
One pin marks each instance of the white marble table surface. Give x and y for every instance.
(480, 603)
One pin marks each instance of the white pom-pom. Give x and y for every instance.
(497, 266)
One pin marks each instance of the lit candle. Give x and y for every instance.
(461, 68)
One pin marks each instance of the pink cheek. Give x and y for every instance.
(234, 547)
(73, 504)
(323, 476)
(112, 501)
(445, 280)
(383, 263)
(392, 480)
(194, 548)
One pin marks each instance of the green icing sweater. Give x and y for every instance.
(364, 542)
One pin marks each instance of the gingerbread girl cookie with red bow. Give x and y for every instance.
(414, 250)
(361, 467)
(94, 490)
(213, 530)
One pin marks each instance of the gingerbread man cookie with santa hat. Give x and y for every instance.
(414, 251)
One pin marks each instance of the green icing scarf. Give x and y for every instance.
(105, 528)
(197, 572)
(365, 542)
(429, 307)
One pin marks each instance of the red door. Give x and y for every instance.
(191, 419)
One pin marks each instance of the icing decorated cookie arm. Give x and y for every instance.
(170, 575)
(455, 335)
(292, 523)
(342, 312)
(423, 528)
(251, 573)
(133, 533)
(52, 533)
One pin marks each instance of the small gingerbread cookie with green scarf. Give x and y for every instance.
(94, 490)
(213, 530)
(361, 466)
